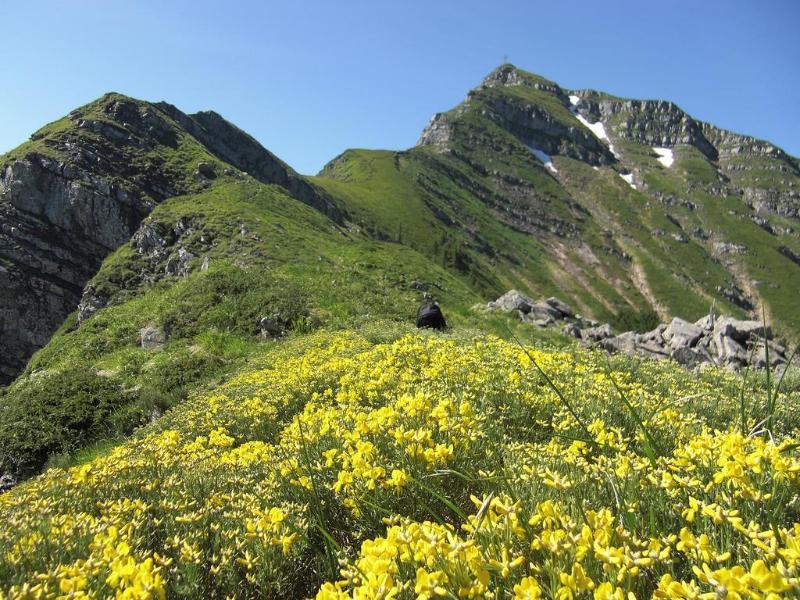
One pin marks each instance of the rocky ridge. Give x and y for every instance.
(81, 187)
(711, 340)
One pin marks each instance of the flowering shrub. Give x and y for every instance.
(426, 468)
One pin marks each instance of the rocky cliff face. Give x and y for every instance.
(81, 187)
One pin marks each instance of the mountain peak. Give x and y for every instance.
(509, 75)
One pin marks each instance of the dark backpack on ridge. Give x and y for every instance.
(430, 315)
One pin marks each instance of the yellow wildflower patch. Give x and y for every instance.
(427, 468)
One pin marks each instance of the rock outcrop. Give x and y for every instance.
(722, 341)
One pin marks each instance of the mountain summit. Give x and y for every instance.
(129, 226)
(215, 386)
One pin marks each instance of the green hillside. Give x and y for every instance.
(228, 396)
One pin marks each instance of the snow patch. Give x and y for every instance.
(628, 177)
(595, 128)
(598, 130)
(574, 100)
(665, 156)
(544, 158)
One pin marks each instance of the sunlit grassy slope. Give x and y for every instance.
(378, 464)
(269, 255)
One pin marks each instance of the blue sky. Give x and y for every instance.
(310, 78)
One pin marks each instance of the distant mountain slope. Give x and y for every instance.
(614, 204)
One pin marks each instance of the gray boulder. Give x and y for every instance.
(90, 303)
(542, 310)
(596, 334)
(759, 356)
(624, 342)
(511, 301)
(706, 323)
(562, 307)
(681, 334)
(729, 352)
(741, 331)
(572, 330)
(152, 337)
(656, 336)
(691, 358)
(206, 169)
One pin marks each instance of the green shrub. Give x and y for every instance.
(640, 321)
(233, 299)
(51, 412)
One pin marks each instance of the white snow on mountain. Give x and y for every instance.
(665, 156)
(628, 177)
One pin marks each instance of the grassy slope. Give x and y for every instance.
(324, 445)
(419, 215)
(95, 382)
(174, 157)
(391, 194)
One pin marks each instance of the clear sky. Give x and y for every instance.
(310, 78)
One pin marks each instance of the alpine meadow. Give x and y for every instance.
(212, 384)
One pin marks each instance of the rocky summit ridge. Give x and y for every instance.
(80, 188)
(145, 252)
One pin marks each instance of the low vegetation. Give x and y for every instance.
(385, 464)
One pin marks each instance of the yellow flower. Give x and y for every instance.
(527, 589)
(429, 585)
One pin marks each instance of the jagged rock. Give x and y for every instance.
(656, 336)
(624, 342)
(207, 170)
(149, 241)
(572, 330)
(152, 337)
(7, 481)
(272, 326)
(595, 334)
(681, 334)
(543, 310)
(729, 352)
(561, 306)
(512, 300)
(759, 357)
(741, 331)
(179, 264)
(183, 226)
(90, 303)
(690, 357)
(706, 323)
